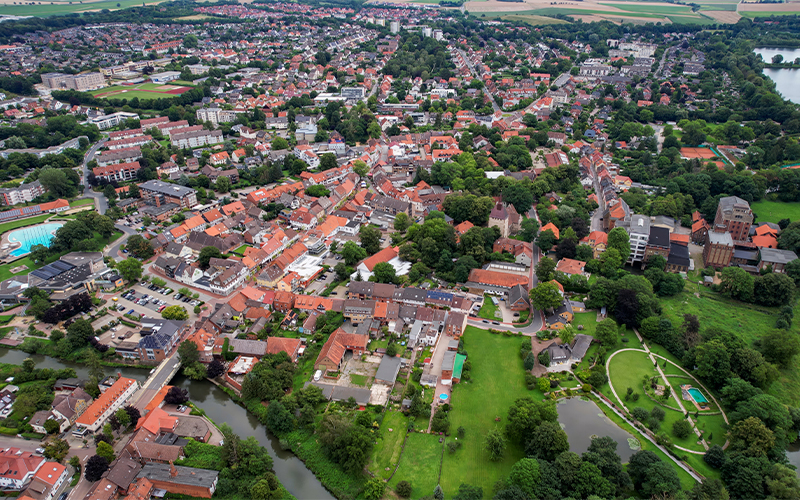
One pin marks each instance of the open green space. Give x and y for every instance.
(649, 8)
(588, 320)
(754, 13)
(242, 248)
(497, 380)
(61, 8)
(359, 379)
(488, 309)
(8, 226)
(81, 202)
(140, 94)
(419, 464)
(386, 452)
(532, 19)
(774, 211)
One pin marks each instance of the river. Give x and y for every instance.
(291, 471)
(786, 79)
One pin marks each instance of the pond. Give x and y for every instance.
(786, 79)
(291, 471)
(583, 419)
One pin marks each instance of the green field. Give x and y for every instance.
(8, 226)
(359, 379)
(488, 309)
(649, 9)
(532, 19)
(141, 95)
(752, 13)
(497, 380)
(774, 211)
(387, 451)
(60, 8)
(419, 464)
(82, 202)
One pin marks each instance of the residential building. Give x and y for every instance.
(160, 193)
(117, 172)
(638, 228)
(734, 214)
(565, 354)
(81, 83)
(776, 259)
(21, 194)
(159, 337)
(189, 481)
(196, 138)
(18, 467)
(718, 249)
(657, 244)
(333, 351)
(109, 401)
(47, 480)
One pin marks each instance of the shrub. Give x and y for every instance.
(658, 413)
(682, 429)
(654, 424)
(403, 489)
(640, 414)
(587, 387)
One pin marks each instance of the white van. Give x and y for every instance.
(317, 375)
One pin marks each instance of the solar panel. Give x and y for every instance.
(7, 215)
(62, 265)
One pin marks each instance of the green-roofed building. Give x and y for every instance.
(457, 367)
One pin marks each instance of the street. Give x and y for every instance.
(100, 200)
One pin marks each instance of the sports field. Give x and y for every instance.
(142, 91)
(774, 211)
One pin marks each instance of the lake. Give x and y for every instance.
(786, 79)
(291, 471)
(583, 419)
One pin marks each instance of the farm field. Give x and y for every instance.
(774, 211)
(497, 380)
(142, 91)
(60, 8)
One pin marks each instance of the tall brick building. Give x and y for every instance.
(734, 214)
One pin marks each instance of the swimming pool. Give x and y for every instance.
(697, 396)
(42, 234)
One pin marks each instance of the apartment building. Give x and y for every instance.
(117, 172)
(734, 214)
(160, 193)
(196, 138)
(21, 194)
(81, 83)
(111, 400)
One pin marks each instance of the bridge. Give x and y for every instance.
(159, 377)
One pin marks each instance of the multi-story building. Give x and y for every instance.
(117, 172)
(21, 194)
(196, 138)
(657, 244)
(638, 228)
(111, 400)
(18, 467)
(159, 337)
(718, 249)
(81, 83)
(159, 193)
(734, 214)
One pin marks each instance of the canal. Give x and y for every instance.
(291, 471)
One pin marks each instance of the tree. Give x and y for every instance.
(661, 480)
(56, 450)
(353, 253)
(188, 352)
(370, 239)
(546, 296)
(279, 419)
(590, 481)
(78, 333)
(528, 229)
(206, 254)
(130, 269)
(525, 415)
(525, 475)
(360, 168)
(403, 489)
(123, 418)
(56, 181)
(133, 413)
(401, 222)
(782, 483)
(737, 283)
(530, 361)
(51, 426)
(215, 369)
(374, 489)
(681, 428)
(279, 143)
(773, 289)
(715, 456)
(546, 240)
(384, 273)
(139, 247)
(28, 365)
(223, 184)
(175, 312)
(545, 269)
(639, 464)
(607, 332)
(751, 437)
(95, 467)
(176, 396)
(547, 441)
(106, 451)
(327, 161)
(268, 488)
(468, 492)
(567, 335)
(495, 444)
(618, 239)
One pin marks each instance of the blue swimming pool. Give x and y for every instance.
(697, 395)
(42, 234)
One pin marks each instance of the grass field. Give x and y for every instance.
(242, 248)
(532, 19)
(359, 379)
(497, 380)
(142, 91)
(774, 211)
(61, 8)
(8, 226)
(488, 309)
(419, 464)
(650, 9)
(387, 452)
(82, 202)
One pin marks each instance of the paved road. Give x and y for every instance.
(115, 250)
(100, 200)
(596, 222)
(478, 77)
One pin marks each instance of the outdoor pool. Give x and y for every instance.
(697, 396)
(42, 234)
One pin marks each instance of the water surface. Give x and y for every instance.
(583, 419)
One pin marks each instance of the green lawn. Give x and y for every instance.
(650, 8)
(497, 380)
(588, 320)
(82, 202)
(387, 452)
(242, 248)
(60, 8)
(419, 464)
(774, 211)
(488, 309)
(359, 379)
(8, 226)
(378, 344)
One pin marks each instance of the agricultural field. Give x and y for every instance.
(55, 8)
(481, 404)
(142, 91)
(774, 211)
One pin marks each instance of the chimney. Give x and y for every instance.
(172, 470)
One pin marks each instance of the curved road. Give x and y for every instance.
(100, 201)
(115, 250)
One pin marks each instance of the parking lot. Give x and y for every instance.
(141, 300)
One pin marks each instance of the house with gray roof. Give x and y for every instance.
(776, 258)
(388, 370)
